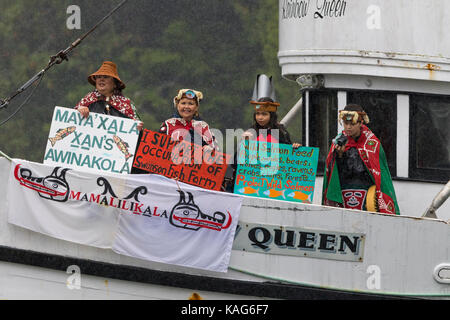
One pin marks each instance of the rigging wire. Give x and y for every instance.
(23, 103)
(56, 59)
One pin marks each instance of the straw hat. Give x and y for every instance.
(108, 68)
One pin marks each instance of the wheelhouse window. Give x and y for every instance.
(322, 123)
(429, 158)
(428, 153)
(381, 107)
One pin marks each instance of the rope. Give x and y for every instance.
(56, 59)
(23, 103)
(4, 155)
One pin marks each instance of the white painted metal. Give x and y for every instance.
(301, 242)
(442, 273)
(22, 282)
(372, 45)
(440, 198)
(342, 102)
(406, 251)
(393, 39)
(293, 113)
(402, 136)
(307, 118)
(413, 198)
(343, 81)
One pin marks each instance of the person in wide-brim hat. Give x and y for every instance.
(107, 97)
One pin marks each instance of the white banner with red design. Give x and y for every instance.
(144, 216)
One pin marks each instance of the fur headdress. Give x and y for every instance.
(188, 93)
(354, 113)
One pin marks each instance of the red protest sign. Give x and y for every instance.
(181, 160)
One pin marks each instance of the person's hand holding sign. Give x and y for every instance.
(84, 111)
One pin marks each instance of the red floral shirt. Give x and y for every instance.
(118, 102)
(178, 129)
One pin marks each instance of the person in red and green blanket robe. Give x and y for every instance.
(356, 173)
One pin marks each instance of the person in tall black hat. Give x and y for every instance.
(107, 97)
(266, 127)
(265, 119)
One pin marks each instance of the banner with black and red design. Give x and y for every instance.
(144, 216)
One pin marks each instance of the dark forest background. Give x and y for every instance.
(215, 46)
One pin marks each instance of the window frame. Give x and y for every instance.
(401, 168)
(308, 128)
(415, 173)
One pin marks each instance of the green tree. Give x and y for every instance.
(215, 46)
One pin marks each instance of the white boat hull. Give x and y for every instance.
(398, 256)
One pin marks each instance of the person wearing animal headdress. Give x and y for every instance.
(107, 98)
(357, 174)
(265, 119)
(186, 122)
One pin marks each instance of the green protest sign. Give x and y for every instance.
(276, 171)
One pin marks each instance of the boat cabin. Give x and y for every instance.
(393, 60)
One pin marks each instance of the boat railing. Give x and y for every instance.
(440, 198)
(5, 156)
